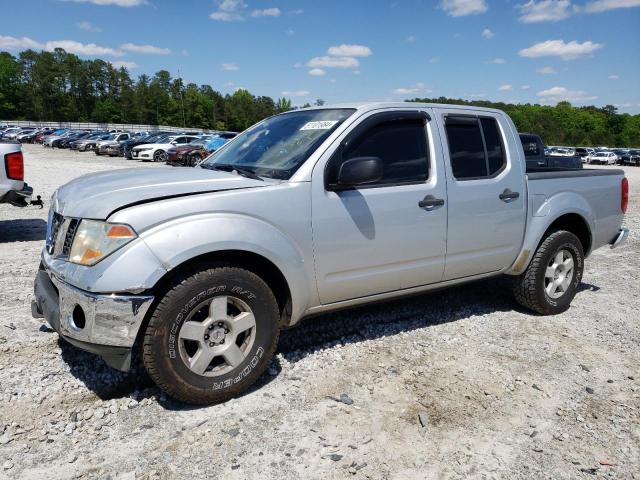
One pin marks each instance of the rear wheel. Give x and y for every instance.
(212, 335)
(551, 280)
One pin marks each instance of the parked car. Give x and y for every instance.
(134, 142)
(604, 158)
(584, 152)
(113, 139)
(89, 142)
(44, 136)
(157, 152)
(632, 157)
(65, 142)
(562, 152)
(306, 212)
(13, 188)
(536, 158)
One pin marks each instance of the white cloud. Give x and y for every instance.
(71, 46)
(487, 33)
(544, 11)
(225, 16)
(345, 50)
(461, 8)
(558, 48)
(333, 62)
(418, 88)
(297, 11)
(13, 43)
(604, 5)
(525, 87)
(118, 3)
(229, 11)
(434, 60)
(547, 71)
(229, 67)
(560, 94)
(356, 72)
(475, 95)
(266, 12)
(496, 61)
(410, 39)
(297, 65)
(87, 26)
(614, 77)
(229, 84)
(88, 49)
(317, 72)
(296, 93)
(146, 49)
(125, 64)
(505, 88)
(184, 52)
(291, 32)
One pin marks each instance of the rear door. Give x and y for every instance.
(486, 193)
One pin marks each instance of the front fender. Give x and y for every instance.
(182, 239)
(543, 211)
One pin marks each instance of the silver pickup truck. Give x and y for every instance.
(306, 212)
(13, 189)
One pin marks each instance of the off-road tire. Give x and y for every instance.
(529, 288)
(160, 344)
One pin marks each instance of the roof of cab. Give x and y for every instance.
(367, 106)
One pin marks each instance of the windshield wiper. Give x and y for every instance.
(245, 172)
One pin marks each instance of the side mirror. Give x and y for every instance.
(359, 171)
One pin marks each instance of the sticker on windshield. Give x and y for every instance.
(324, 125)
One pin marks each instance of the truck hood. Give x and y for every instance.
(97, 195)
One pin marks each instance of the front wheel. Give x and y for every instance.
(160, 156)
(211, 335)
(551, 280)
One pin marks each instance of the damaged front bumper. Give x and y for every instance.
(104, 324)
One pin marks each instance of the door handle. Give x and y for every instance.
(430, 202)
(508, 196)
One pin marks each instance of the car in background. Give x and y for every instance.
(89, 142)
(157, 152)
(562, 152)
(43, 136)
(151, 138)
(190, 157)
(31, 137)
(631, 157)
(10, 133)
(64, 142)
(620, 152)
(603, 158)
(114, 138)
(114, 149)
(72, 134)
(584, 152)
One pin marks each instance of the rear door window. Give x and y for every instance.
(476, 149)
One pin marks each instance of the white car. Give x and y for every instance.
(158, 151)
(605, 158)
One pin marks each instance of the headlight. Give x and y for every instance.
(95, 240)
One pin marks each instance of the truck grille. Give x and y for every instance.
(61, 235)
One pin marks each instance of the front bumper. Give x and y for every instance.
(620, 238)
(104, 324)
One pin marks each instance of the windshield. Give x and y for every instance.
(279, 145)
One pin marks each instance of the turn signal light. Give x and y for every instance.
(120, 231)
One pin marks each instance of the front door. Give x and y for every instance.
(380, 237)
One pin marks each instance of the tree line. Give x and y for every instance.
(59, 86)
(565, 124)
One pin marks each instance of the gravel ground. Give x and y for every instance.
(460, 383)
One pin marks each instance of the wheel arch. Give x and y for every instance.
(540, 227)
(250, 261)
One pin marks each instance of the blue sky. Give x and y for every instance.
(538, 51)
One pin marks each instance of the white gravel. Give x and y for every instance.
(456, 384)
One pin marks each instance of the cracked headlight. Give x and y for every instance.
(95, 240)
